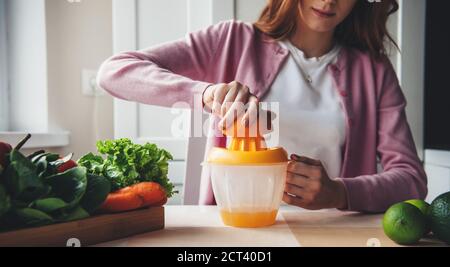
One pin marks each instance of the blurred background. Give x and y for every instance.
(50, 51)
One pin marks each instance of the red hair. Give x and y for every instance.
(364, 28)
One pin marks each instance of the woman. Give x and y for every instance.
(325, 61)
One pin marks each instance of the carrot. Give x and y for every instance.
(121, 201)
(137, 196)
(152, 193)
(161, 203)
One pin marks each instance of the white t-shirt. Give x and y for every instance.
(311, 116)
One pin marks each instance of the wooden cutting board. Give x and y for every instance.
(90, 231)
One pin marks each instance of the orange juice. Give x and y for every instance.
(248, 218)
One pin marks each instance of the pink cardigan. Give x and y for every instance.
(374, 103)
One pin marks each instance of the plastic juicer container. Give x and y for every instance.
(248, 181)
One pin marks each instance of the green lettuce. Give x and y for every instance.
(125, 163)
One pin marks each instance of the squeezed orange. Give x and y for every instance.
(248, 218)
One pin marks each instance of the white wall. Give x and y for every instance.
(249, 10)
(79, 37)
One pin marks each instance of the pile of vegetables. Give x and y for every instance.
(137, 173)
(43, 188)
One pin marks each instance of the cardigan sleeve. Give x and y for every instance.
(165, 74)
(403, 176)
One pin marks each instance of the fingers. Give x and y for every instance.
(229, 102)
(297, 180)
(233, 91)
(300, 202)
(307, 185)
(306, 160)
(301, 168)
(256, 114)
(234, 101)
(294, 190)
(251, 115)
(235, 108)
(292, 200)
(304, 196)
(219, 94)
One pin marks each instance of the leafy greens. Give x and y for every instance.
(34, 193)
(125, 164)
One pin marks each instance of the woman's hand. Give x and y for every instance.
(229, 102)
(308, 186)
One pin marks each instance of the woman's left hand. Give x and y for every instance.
(308, 186)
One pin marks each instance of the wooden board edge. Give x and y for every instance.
(90, 231)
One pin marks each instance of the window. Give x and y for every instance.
(24, 94)
(4, 96)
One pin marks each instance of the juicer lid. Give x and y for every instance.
(268, 156)
(247, 147)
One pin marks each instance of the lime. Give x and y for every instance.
(424, 207)
(440, 217)
(404, 223)
(420, 204)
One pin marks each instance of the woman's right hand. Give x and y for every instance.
(229, 101)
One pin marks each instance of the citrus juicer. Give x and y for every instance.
(248, 178)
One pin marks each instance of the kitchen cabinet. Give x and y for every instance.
(201, 226)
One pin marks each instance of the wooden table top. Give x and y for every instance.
(201, 226)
